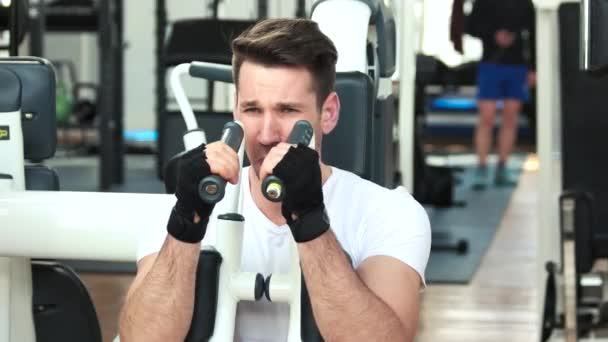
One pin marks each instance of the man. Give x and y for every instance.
(284, 71)
(504, 74)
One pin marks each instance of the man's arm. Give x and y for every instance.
(380, 303)
(160, 302)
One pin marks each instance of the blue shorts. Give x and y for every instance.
(500, 82)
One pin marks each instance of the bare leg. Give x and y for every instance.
(483, 133)
(508, 129)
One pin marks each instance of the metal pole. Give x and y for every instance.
(105, 101)
(37, 27)
(118, 151)
(262, 9)
(161, 96)
(14, 29)
(301, 9)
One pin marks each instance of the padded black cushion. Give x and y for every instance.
(37, 98)
(348, 146)
(10, 88)
(41, 178)
(63, 310)
(382, 158)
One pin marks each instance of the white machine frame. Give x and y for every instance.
(38, 224)
(234, 284)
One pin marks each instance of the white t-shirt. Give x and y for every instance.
(367, 220)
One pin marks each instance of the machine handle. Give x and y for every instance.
(272, 186)
(212, 188)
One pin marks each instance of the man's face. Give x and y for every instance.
(269, 102)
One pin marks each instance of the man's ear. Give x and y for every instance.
(330, 112)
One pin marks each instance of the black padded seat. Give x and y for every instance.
(63, 310)
(348, 146)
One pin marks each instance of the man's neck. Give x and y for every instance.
(270, 209)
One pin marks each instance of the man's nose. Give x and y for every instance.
(271, 131)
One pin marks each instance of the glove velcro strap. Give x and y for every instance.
(310, 225)
(185, 230)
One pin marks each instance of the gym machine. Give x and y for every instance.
(104, 17)
(573, 294)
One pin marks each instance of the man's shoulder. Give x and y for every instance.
(355, 182)
(357, 188)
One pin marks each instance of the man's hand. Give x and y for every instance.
(302, 207)
(504, 38)
(189, 217)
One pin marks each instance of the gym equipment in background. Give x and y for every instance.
(76, 108)
(433, 185)
(575, 299)
(174, 46)
(47, 301)
(105, 19)
(14, 19)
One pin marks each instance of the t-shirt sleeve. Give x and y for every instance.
(396, 226)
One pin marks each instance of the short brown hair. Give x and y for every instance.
(289, 42)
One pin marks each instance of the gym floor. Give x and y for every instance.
(497, 305)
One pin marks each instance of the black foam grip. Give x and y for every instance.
(301, 133)
(205, 296)
(231, 136)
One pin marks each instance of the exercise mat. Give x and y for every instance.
(475, 223)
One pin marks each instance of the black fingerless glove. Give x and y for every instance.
(192, 168)
(301, 175)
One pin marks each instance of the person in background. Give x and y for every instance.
(506, 71)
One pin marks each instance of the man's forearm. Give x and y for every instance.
(160, 308)
(344, 308)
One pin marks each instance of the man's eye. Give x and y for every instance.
(288, 110)
(252, 110)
